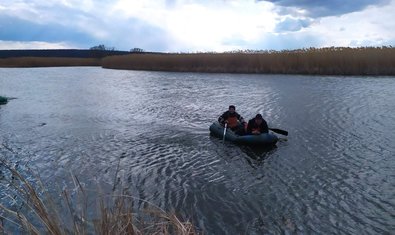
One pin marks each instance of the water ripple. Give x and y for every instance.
(147, 132)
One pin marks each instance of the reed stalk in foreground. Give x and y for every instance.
(115, 213)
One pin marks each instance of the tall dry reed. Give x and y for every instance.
(114, 215)
(316, 61)
(325, 61)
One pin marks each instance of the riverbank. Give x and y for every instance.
(324, 61)
(27, 62)
(54, 57)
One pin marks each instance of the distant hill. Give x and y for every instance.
(70, 53)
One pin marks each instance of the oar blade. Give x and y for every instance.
(279, 131)
(226, 126)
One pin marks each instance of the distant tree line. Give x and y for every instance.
(102, 47)
(136, 50)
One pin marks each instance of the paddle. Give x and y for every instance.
(279, 131)
(226, 125)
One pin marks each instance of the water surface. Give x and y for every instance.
(334, 174)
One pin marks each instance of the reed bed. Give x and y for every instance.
(39, 214)
(314, 61)
(48, 62)
(324, 61)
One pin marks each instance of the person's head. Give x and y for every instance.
(258, 119)
(232, 108)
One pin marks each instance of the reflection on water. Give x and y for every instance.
(333, 174)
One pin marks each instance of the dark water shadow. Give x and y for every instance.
(256, 155)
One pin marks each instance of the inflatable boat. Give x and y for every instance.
(265, 139)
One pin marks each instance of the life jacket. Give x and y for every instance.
(232, 121)
(256, 129)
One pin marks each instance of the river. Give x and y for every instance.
(147, 132)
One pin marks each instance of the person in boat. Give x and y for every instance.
(234, 120)
(257, 126)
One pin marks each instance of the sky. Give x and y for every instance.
(196, 26)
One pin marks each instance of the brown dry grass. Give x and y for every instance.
(115, 214)
(48, 62)
(325, 61)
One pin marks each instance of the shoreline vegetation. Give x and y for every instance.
(32, 210)
(311, 61)
(27, 62)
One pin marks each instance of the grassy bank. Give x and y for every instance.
(325, 61)
(32, 210)
(20, 62)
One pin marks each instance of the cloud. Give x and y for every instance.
(371, 27)
(198, 25)
(201, 25)
(322, 8)
(78, 24)
(22, 30)
(289, 41)
(133, 32)
(9, 45)
(292, 24)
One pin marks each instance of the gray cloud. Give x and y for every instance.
(136, 33)
(88, 25)
(59, 23)
(15, 29)
(290, 24)
(322, 8)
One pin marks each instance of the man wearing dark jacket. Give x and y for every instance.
(233, 119)
(257, 126)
